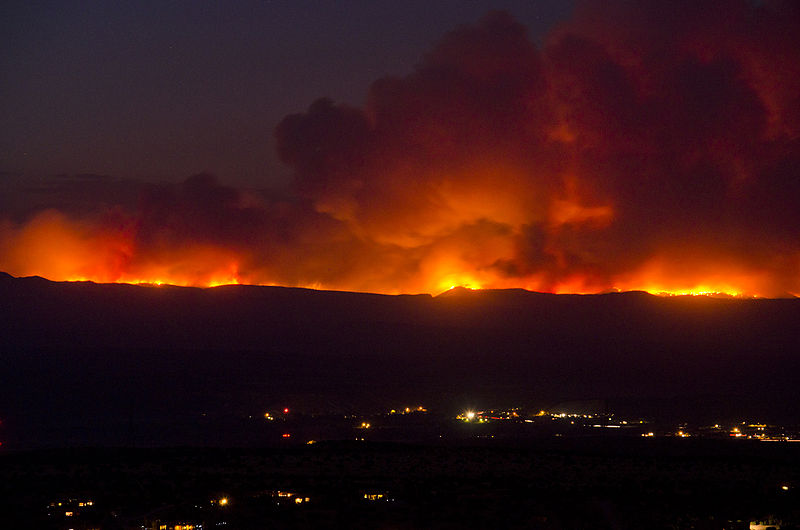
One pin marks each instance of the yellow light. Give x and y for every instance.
(298, 500)
(700, 292)
(785, 488)
(451, 281)
(223, 501)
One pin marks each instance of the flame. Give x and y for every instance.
(698, 276)
(465, 283)
(617, 157)
(60, 249)
(468, 280)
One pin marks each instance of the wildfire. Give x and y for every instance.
(703, 292)
(56, 248)
(215, 280)
(446, 284)
(452, 281)
(600, 161)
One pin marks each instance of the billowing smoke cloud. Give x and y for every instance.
(647, 145)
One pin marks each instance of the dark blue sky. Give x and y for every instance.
(162, 90)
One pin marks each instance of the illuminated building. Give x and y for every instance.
(79, 512)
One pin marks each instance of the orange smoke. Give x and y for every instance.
(647, 146)
(59, 249)
(55, 247)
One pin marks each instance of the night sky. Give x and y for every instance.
(405, 147)
(164, 90)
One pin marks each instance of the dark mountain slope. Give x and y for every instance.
(81, 353)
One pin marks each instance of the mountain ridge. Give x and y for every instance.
(92, 352)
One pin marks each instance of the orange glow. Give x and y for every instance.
(55, 248)
(607, 158)
(59, 249)
(453, 281)
(698, 277)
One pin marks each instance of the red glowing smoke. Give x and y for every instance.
(647, 145)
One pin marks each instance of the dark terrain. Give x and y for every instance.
(120, 365)
(553, 484)
(150, 401)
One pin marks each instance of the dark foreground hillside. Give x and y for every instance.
(88, 364)
(564, 484)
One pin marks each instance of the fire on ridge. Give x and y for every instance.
(615, 156)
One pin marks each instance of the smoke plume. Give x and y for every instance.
(645, 145)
